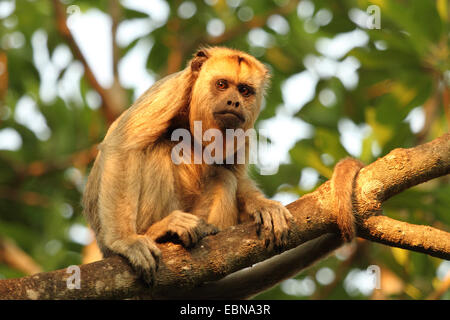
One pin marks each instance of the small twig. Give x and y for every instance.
(115, 11)
(446, 103)
(78, 159)
(340, 273)
(443, 288)
(430, 108)
(175, 43)
(109, 105)
(29, 198)
(16, 258)
(3, 77)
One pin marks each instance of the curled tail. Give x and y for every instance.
(342, 182)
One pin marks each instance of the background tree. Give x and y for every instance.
(338, 88)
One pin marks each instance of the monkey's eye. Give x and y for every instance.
(245, 90)
(222, 84)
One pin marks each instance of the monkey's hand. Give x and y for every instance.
(185, 227)
(271, 219)
(142, 253)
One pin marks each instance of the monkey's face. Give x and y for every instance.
(235, 107)
(228, 92)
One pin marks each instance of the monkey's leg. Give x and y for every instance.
(118, 201)
(188, 228)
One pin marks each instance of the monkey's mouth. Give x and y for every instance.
(229, 114)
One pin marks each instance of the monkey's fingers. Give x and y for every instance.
(191, 233)
(143, 255)
(146, 272)
(267, 228)
(263, 223)
(177, 227)
(187, 233)
(149, 265)
(258, 222)
(272, 223)
(280, 227)
(187, 227)
(208, 230)
(182, 232)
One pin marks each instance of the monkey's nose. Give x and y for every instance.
(236, 104)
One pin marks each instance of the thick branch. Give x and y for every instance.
(246, 283)
(401, 169)
(212, 259)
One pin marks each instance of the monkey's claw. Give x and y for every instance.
(142, 253)
(272, 219)
(188, 228)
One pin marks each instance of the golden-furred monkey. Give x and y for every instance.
(137, 195)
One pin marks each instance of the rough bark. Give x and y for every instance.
(184, 273)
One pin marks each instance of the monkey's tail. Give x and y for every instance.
(342, 183)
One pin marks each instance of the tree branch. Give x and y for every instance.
(247, 283)
(441, 290)
(112, 100)
(115, 11)
(446, 103)
(400, 234)
(185, 271)
(15, 257)
(4, 77)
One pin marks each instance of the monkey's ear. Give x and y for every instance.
(200, 57)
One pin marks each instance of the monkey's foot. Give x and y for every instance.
(142, 253)
(271, 219)
(185, 227)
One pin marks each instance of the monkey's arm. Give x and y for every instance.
(270, 216)
(118, 204)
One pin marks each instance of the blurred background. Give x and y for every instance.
(349, 78)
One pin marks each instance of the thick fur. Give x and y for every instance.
(342, 181)
(136, 196)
